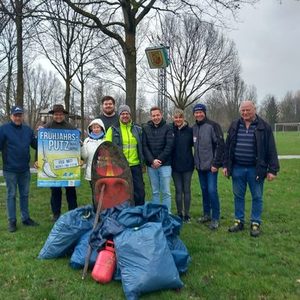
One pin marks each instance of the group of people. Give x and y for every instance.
(168, 150)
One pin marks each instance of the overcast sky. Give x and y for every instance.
(268, 42)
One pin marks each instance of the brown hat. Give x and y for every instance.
(58, 108)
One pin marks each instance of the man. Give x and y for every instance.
(128, 136)
(250, 157)
(59, 122)
(208, 156)
(158, 142)
(15, 141)
(108, 116)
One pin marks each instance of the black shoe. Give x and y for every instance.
(214, 224)
(55, 218)
(255, 229)
(30, 222)
(180, 216)
(204, 219)
(12, 226)
(187, 219)
(237, 226)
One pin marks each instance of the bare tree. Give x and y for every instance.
(290, 108)
(269, 109)
(120, 19)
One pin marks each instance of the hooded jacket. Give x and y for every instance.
(89, 148)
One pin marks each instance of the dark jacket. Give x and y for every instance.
(266, 154)
(158, 143)
(136, 131)
(182, 156)
(208, 145)
(15, 142)
(109, 121)
(63, 125)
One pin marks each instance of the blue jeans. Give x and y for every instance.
(14, 181)
(241, 176)
(160, 183)
(210, 197)
(182, 182)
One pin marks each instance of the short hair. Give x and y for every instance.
(155, 108)
(178, 112)
(106, 98)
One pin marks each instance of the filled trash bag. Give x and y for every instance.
(78, 257)
(145, 260)
(66, 232)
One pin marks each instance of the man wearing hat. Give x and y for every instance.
(59, 122)
(15, 141)
(208, 155)
(128, 136)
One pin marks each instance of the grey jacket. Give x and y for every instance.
(208, 145)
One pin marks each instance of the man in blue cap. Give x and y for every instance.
(208, 156)
(15, 141)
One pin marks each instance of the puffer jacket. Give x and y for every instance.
(89, 147)
(208, 145)
(266, 153)
(158, 143)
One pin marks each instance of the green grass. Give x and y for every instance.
(288, 143)
(224, 265)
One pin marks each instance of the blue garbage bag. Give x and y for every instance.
(77, 259)
(145, 260)
(66, 232)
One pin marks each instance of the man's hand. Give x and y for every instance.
(213, 169)
(270, 176)
(225, 172)
(156, 163)
(36, 165)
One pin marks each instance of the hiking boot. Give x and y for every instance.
(204, 219)
(237, 226)
(254, 229)
(187, 219)
(30, 222)
(12, 226)
(214, 224)
(180, 216)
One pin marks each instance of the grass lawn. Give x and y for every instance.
(224, 265)
(288, 143)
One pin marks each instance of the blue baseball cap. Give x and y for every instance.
(199, 106)
(16, 110)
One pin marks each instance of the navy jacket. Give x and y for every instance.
(158, 143)
(182, 157)
(15, 142)
(265, 148)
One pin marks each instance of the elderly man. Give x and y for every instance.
(108, 116)
(15, 141)
(128, 136)
(158, 143)
(250, 157)
(58, 122)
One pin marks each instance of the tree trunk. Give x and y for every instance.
(82, 103)
(19, 29)
(130, 64)
(8, 87)
(68, 93)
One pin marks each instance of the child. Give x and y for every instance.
(96, 133)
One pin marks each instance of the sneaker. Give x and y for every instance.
(12, 226)
(180, 216)
(30, 222)
(214, 224)
(254, 229)
(237, 226)
(187, 219)
(204, 219)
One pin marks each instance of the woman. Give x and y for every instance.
(182, 164)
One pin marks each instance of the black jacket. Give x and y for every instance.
(266, 154)
(182, 157)
(158, 143)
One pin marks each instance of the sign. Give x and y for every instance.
(58, 158)
(157, 57)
